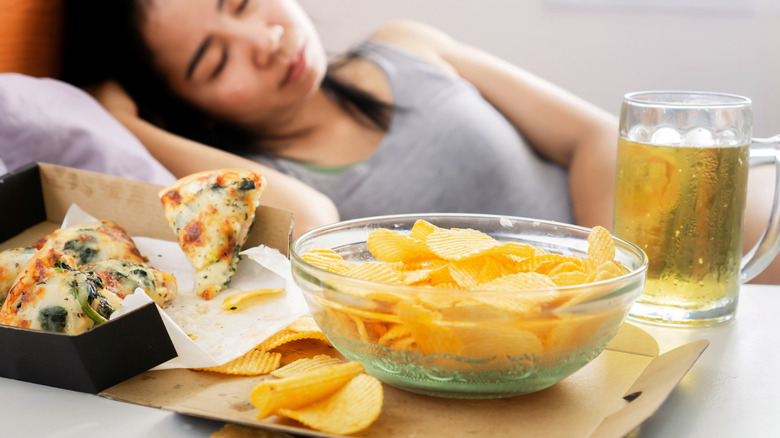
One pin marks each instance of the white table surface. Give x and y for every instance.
(733, 390)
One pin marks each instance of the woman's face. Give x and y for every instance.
(252, 62)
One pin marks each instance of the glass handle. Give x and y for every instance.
(764, 151)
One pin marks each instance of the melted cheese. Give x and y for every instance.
(53, 292)
(123, 277)
(89, 243)
(11, 263)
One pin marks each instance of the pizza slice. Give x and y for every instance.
(123, 277)
(93, 242)
(52, 294)
(211, 214)
(11, 263)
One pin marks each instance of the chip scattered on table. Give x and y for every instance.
(305, 365)
(301, 389)
(351, 409)
(302, 328)
(239, 300)
(253, 363)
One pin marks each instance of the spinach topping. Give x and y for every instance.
(61, 266)
(94, 305)
(81, 250)
(246, 184)
(53, 318)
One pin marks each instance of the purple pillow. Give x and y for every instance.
(50, 121)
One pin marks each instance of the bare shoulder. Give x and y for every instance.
(421, 39)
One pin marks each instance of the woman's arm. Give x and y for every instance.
(183, 157)
(558, 125)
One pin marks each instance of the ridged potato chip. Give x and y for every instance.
(305, 365)
(457, 244)
(501, 342)
(326, 258)
(395, 332)
(601, 247)
(374, 271)
(428, 334)
(303, 328)
(301, 389)
(253, 363)
(421, 230)
(392, 246)
(351, 409)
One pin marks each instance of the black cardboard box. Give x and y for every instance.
(36, 198)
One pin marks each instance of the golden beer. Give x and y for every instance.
(684, 207)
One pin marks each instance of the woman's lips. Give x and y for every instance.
(296, 67)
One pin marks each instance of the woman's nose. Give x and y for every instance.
(265, 43)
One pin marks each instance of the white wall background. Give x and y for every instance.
(600, 49)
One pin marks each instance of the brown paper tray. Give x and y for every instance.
(609, 397)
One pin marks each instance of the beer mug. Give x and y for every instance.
(682, 171)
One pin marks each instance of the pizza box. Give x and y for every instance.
(37, 197)
(608, 398)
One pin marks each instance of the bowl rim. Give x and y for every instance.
(406, 289)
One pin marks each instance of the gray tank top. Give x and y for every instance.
(447, 150)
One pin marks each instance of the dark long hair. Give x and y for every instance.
(103, 41)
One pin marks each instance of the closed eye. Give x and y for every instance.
(240, 8)
(223, 58)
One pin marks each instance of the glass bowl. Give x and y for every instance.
(466, 343)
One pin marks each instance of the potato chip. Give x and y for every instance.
(326, 259)
(574, 331)
(457, 243)
(305, 365)
(466, 272)
(305, 329)
(301, 389)
(428, 333)
(363, 313)
(600, 244)
(406, 344)
(395, 332)
(421, 229)
(361, 329)
(392, 246)
(253, 363)
(569, 278)
(518, 251)
(498, 342)
(519, 281)
(374, 271)
(239, 300)
(517, 304)
(351, 409)
(494, 268)
(416, 276)
(475, 311)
